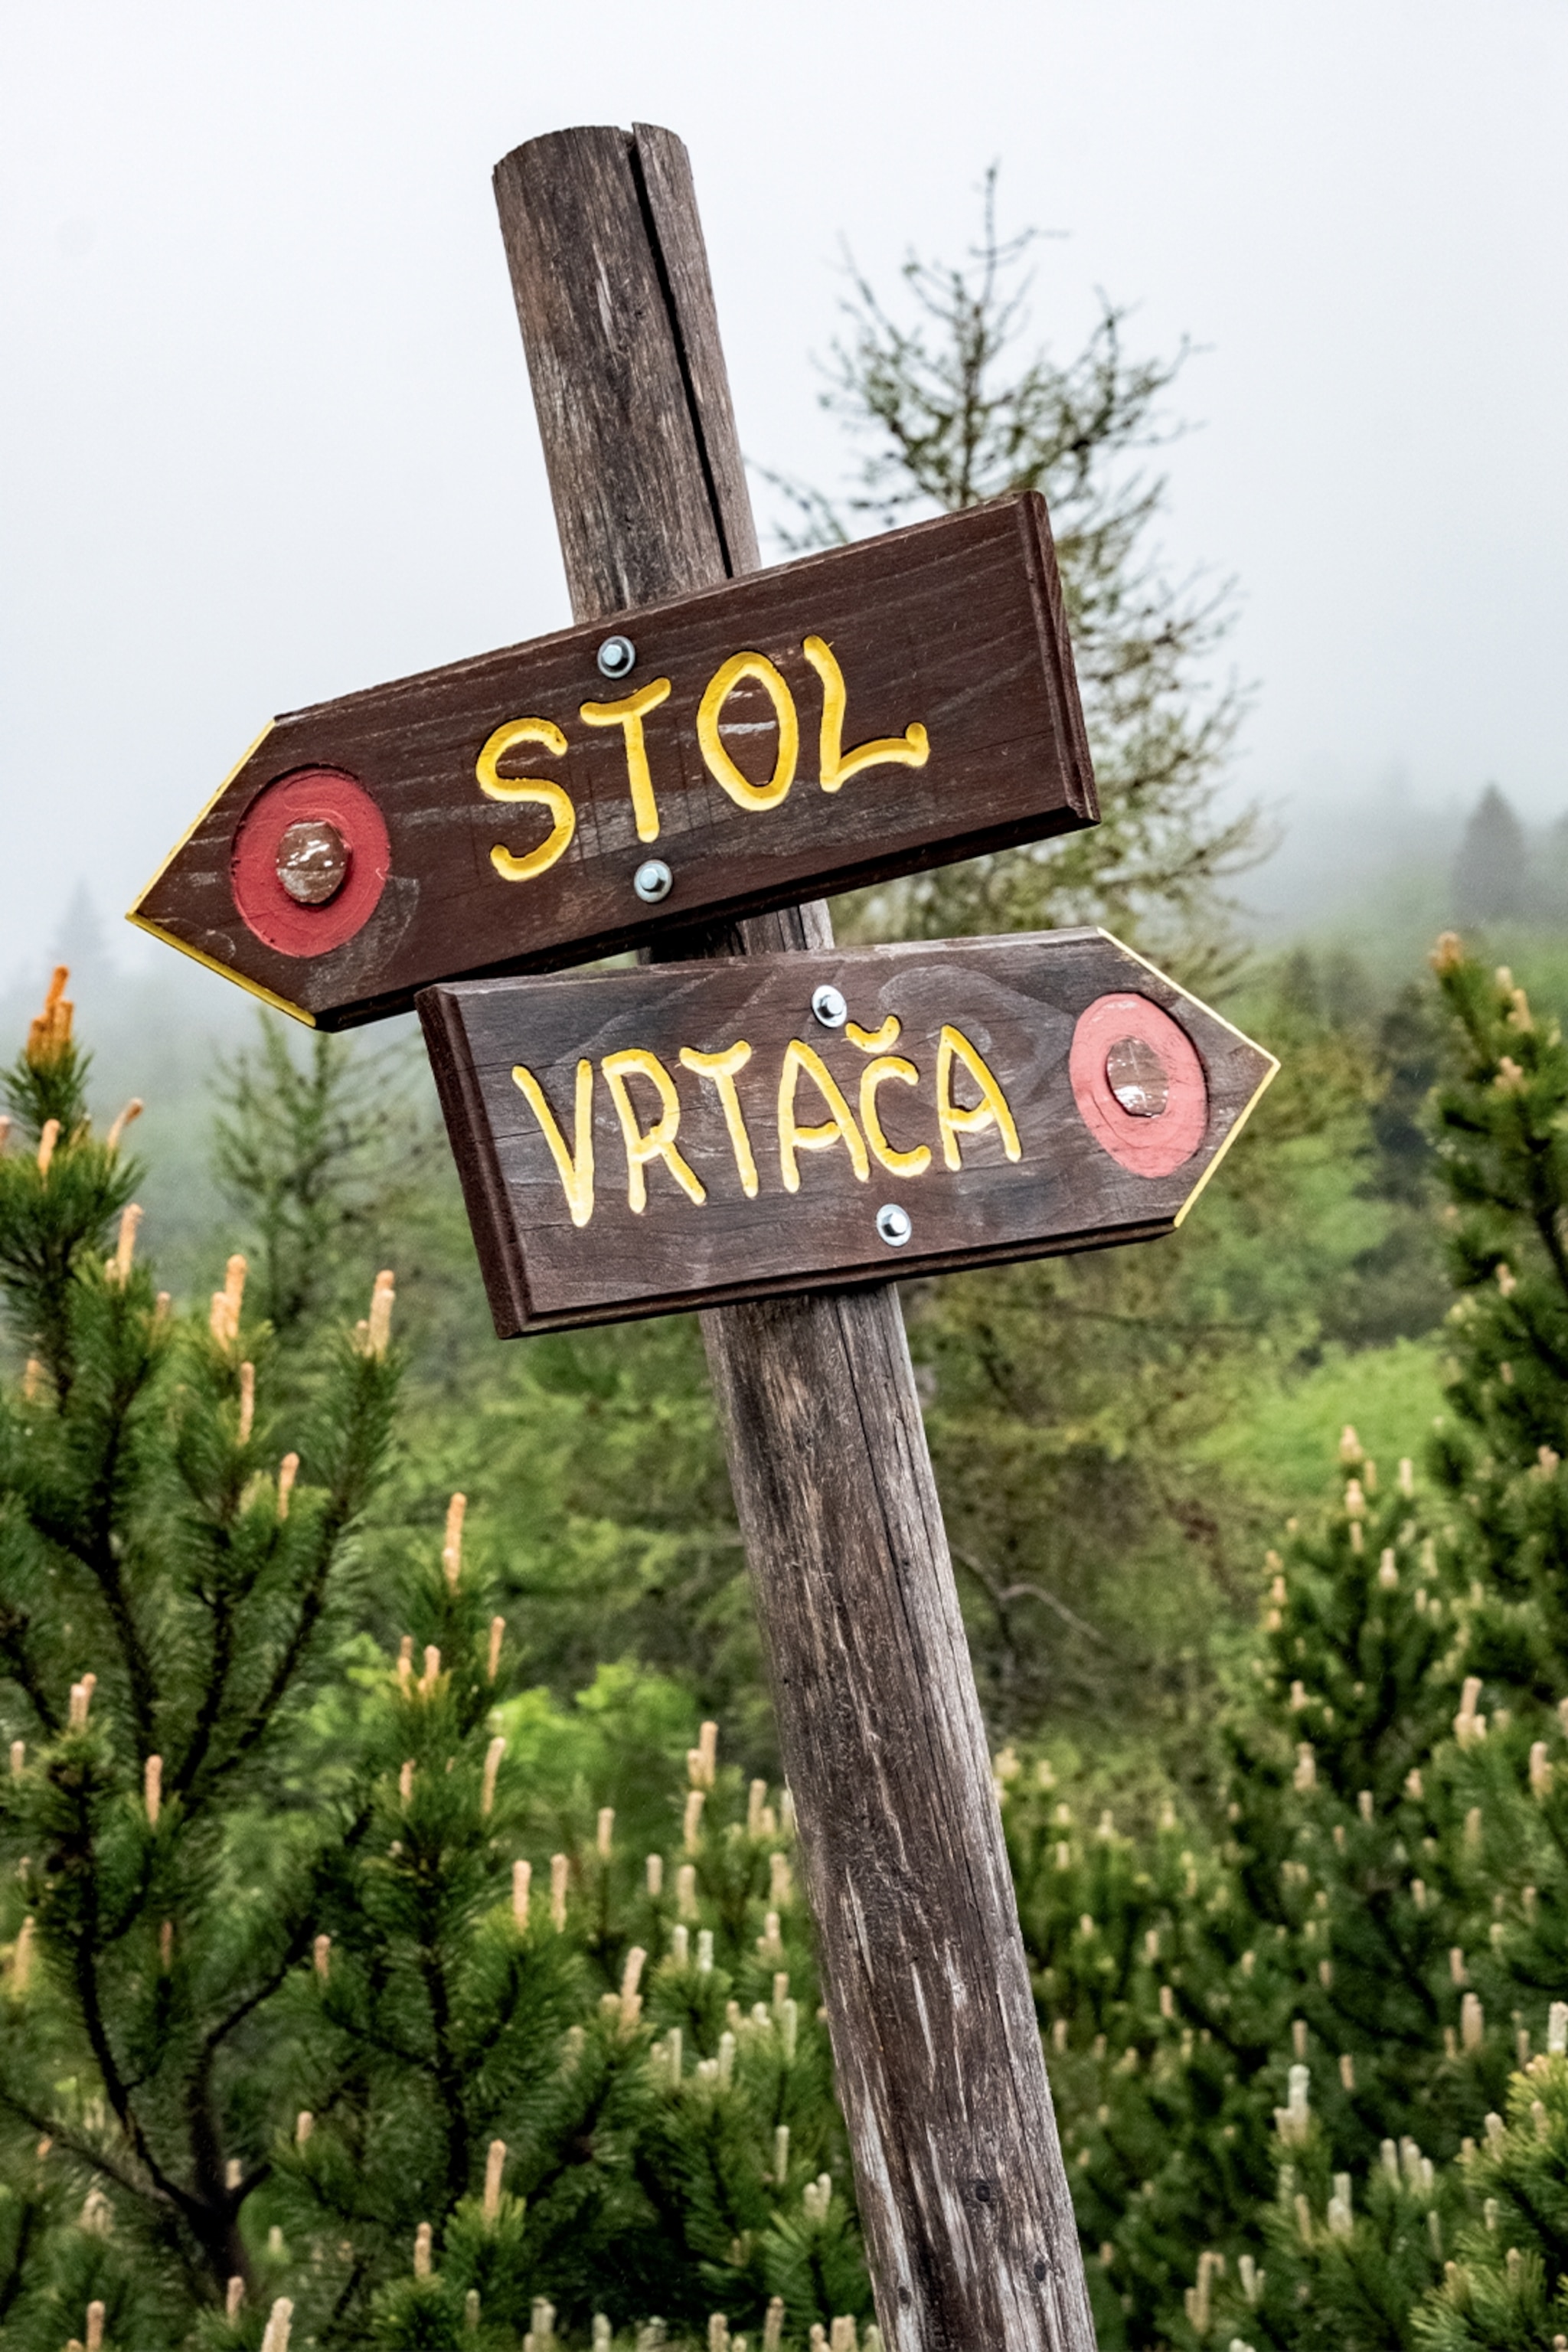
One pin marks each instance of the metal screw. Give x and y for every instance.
(894, 1225)
(617, 656)
(830, 1005)
(312, 861)
(653, 881)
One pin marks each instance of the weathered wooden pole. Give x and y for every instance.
(958, 2167)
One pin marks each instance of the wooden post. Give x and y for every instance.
(958, 2167)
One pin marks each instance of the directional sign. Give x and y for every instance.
(635, 1141)
(859, 714)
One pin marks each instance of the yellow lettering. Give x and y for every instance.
(658, 1143)
(723, 1069)
(575, 1167)
(720, 765)
(874, 1041)
(990, 1110)
(838, 1128)
(909, 749)
(527, 787)
(876, 1074)
(629, 713)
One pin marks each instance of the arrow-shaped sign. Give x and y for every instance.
(890, 705)
(636, 1141)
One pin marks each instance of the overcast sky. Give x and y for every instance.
(266, 428)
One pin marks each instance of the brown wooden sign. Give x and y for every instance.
(859, 714)
(638, 1142)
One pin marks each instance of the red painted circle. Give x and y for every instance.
(329, 797)
(1148, 1147)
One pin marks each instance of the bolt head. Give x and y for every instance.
(616, 657)
(894, 1224)
(1138, 1077)
(830, 1006)
(653, 881)
(312, 862)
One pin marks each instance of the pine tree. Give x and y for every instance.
(1491, 872)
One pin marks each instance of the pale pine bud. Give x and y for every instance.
(680, 1946)
(405, 1783)
(1387, 1571)
(605, 1836)
(32, 1379)
(1407, 1477)
(631, 1977)
(406, 1662)
(1457, 1969)
(1347, 2069)
(80, 1701)
(232, 1296)
(422, 2250)
(1298, 2036)
(770, 1943)
(378, 1330)
(717, 2333)
(1293, 2120)
(49, 1136)
(472, 2310)
(521, 1884)
(288, 1471)
(234, 2300)
(842, 2336)
(452, 1545)
(1364, 1804)
(673, 2053)
(603, 2333)
(22, 1959)
(559, 1871)
(1472, 2022)
(686, 1890)
(321, 1958)
(152, 1788)
(161, 1307)
(305, 2124)
(19, 1758)
(781, 1881)
(772, 2325)
(280, 2323)
(756, 1801)
(1415, 1787)
(780, 2155)
(691, 1828)
(655, 1876)
(166, 1947)
(233, 2173)
(703, 1761)
(247, 1401)
(1306, 1773)
(498, 1634)
(495, 2165)
(125, 1243)
(95, 2317)
(132, 1111)
(1473, 1830)
(1521, 2047)
(1468, 1725)
(1349, 1447)
(704, 1951)
(1167, 2003)
(432, 1673)
(1557, 2029)
(1539, 1771)
(493, 1754)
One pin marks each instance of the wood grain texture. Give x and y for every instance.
(1019, 1002)
(969, 2224)
(951, 625)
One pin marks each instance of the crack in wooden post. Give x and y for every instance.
(968, 2218)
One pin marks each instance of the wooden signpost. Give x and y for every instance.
(692, 1134)
(750, 1123)
(832, 722)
